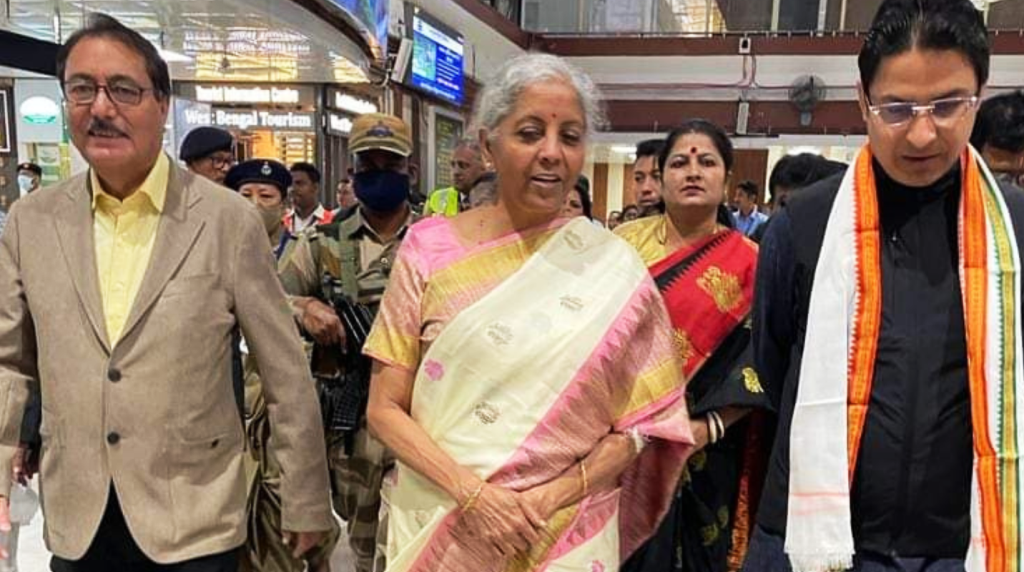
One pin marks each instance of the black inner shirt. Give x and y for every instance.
(911, 489)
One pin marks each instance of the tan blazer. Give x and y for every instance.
(156, 413)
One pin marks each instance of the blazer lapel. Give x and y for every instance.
(74, 222)
(177, 231)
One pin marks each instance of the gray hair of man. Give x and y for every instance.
(469, 143)
(501, 94)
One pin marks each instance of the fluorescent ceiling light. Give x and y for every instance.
(623, 149)
(174, 57)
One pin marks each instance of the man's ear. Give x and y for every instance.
(414, 175)
(862, 102)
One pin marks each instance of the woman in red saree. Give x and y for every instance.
(705, 270)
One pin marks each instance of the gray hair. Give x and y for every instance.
(471, 143)
(501, 94)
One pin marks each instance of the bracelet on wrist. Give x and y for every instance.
(471, 500)
(712, 429)
(583, 476)
(716, 426)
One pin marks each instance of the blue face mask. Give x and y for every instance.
(381, 191)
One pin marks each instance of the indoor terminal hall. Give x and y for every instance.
(511, 285)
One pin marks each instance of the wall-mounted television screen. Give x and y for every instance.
(437, 54)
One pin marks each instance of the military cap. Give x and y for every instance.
(266, 171)
(31, 167)
(380, 131)
(204, 141)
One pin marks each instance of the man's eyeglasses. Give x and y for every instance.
(222, 162)
(84, 92)
(945, 112)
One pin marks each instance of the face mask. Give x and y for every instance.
(381, 191)
(271, 218)
(25, 183)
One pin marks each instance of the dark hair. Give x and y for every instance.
(649, 148)
(307, 168)
(748, 188)
(1000, 123)
(588, 206)
(794, 172)
(717, 135)
(103, 26)
(901, 25)
(721, 141)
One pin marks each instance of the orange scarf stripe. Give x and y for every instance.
(975, 302)
(868, 322)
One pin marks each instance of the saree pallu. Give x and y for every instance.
(708, 289)
(523, 383)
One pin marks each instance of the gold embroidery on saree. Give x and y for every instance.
(751, 381)
(683, 344)
(723, 287)
(486, 413)
(571, 303)
(500, 334)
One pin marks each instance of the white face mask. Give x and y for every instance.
(25, 182)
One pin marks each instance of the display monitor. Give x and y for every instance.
(437, 56)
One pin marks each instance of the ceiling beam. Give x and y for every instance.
(29, 54)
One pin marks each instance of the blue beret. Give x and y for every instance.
(204, 141)
(266, 171)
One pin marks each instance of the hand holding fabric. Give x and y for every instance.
(498, 517)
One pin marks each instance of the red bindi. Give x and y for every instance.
(693, 150)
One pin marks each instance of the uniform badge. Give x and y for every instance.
(266, 171)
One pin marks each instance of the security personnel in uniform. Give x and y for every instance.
(351, 260)
(208, 152)
(265, 182)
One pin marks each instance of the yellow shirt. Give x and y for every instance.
(124, 233)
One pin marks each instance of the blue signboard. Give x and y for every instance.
(372, 17)
(437, 59)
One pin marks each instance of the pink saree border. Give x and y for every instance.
(652, 478)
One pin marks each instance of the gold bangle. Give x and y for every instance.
(466, 506)
(583, 475)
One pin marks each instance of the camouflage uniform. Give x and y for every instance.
(350, 253)
(265, 550)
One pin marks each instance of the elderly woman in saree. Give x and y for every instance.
(524, 373)
(705, 270)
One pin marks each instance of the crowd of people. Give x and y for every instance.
(211, 371)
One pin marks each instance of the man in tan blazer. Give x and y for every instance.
(119, 290)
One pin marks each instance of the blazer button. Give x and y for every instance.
(114, 374)
(113, 438)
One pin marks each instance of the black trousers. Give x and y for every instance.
(114, 549)
(767, 553)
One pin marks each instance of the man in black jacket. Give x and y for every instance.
(908, 505)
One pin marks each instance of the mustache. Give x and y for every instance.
(99, 126)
